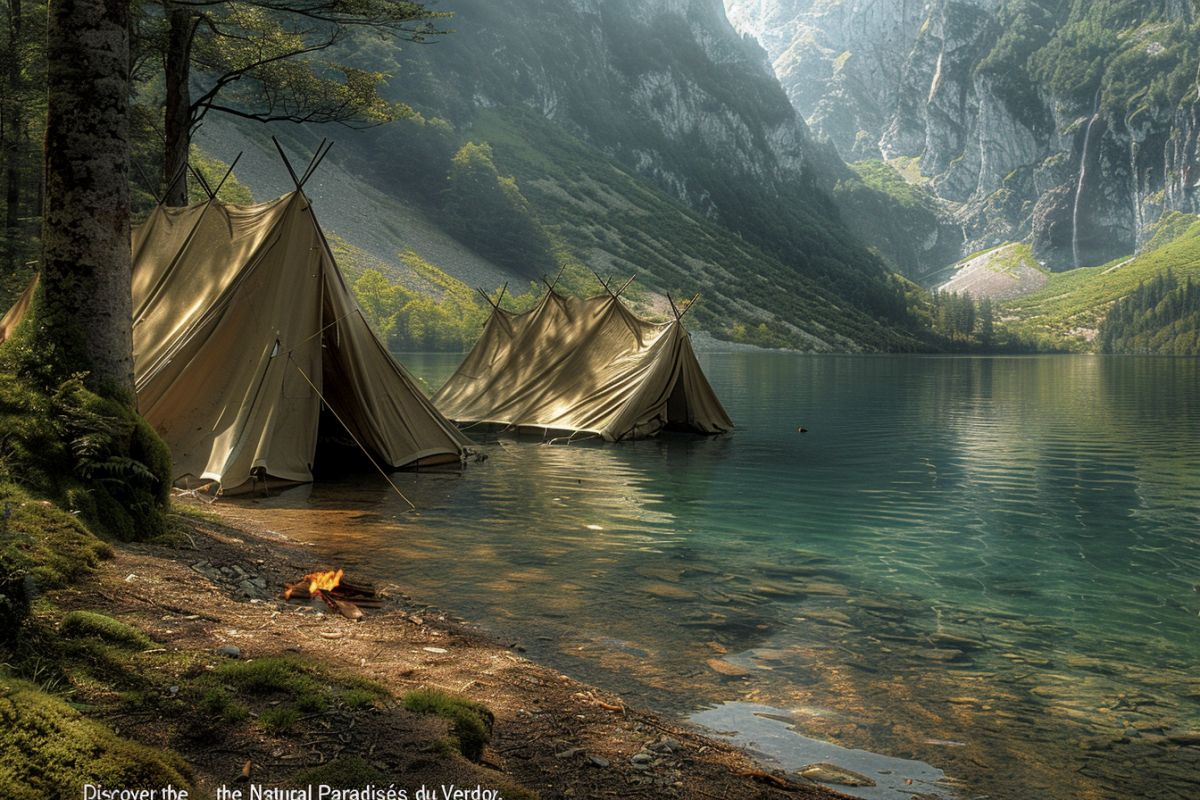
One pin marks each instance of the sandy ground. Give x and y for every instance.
(553, 735)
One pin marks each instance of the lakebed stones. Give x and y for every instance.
(727, 668)
(831, 773)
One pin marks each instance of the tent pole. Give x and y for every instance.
(316, 162)
(674, 308)
(485, 297)
(286, 163)
(149, 185)
(556, 278)
(338, 417)
(625, 285)
(689, 305)
(604, 283)
(228, 172)
(203, 183)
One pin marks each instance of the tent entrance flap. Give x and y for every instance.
(243, 329)
(678, 416)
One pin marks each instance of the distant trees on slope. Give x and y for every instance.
(1161, 318)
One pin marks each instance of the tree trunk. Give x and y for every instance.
(83, 315)
(177, 118)
(10, 140)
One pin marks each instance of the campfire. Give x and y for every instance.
(347, 599)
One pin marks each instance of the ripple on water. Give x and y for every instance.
(994, 553)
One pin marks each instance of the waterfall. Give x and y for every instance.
(1087, 138)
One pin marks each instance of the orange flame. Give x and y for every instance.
(323, 581)
(317, 582)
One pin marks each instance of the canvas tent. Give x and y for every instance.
(242, 326)
(583, 366)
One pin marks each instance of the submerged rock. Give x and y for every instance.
(831, 773)
(726, 668)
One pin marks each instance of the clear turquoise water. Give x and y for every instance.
(991, 565)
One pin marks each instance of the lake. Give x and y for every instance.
(990, 565)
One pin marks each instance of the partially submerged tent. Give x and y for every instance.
(583, 366)
(244, 331)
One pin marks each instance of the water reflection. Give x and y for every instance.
(987, 564)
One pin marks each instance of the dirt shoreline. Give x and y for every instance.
(554, 736)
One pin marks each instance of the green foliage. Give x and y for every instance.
(77, 624)
(1153, 71)
(953, 315)
(1068, 310)
(1025, 27)
(419, 150)
(260, 60)
(487, 211)
(470, 722)
(213, 170)
(279, 720)
(289, 676)
(894, 216)
(620, 224)
(93, 454)
(1161, 318)
(1139, 59)
(49, 750)
(438, 313)
(1170, 226)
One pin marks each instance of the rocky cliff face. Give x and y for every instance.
(671, 91)
(663, 85)
(1074, 128)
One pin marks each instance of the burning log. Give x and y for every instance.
(347, 599)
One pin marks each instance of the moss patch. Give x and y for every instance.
(49, 750)
(470, 722)
(41, 547)
(88, 623)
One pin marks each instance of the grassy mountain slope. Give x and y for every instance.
(1068, 309)
(617, 223)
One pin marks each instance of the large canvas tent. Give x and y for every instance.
(244, 331)
(583, 366)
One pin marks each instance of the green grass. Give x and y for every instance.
(216, 702)
(77, 624)
(1079, 299)
(470, 722)
(49, 750)
(293, 688)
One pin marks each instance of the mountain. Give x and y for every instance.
(664, 146)
(1072, 126)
